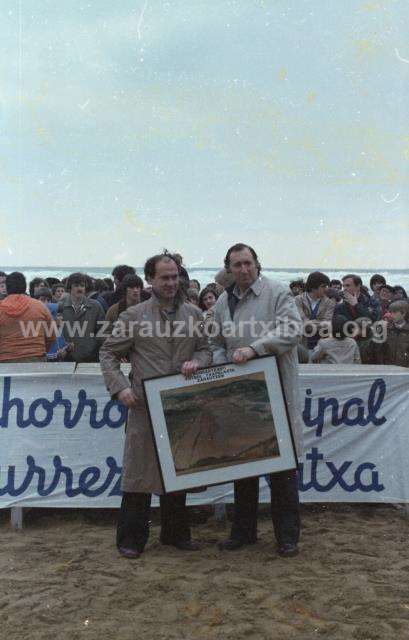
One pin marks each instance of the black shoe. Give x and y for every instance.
(231, 544)
(288, 550)
(130, 554)
(187, 545)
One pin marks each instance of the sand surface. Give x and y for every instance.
(61, 578)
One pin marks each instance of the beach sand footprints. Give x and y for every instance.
(63, 578)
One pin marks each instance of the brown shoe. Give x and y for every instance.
(130, 554)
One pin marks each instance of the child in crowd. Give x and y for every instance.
(396, 348)
(337, 349)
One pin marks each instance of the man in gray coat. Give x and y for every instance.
(267, 322)
(83, 321)
(156, 337)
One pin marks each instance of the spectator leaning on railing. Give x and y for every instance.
(355, 303)
(315, 308)
(82, 321)
(338, 348)
(27, 330)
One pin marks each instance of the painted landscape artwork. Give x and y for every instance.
(220, 423)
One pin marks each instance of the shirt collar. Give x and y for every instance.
(69, 303)
(313, 302)
(255, 288)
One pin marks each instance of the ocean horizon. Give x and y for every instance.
(207, 274)
(86, 269)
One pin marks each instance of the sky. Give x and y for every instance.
(193, 124)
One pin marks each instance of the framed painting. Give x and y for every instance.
(224, 423)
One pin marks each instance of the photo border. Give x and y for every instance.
(172, 482)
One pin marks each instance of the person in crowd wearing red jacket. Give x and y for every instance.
(27, 329)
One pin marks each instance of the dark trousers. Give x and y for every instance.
(284, 508)
(133, 523)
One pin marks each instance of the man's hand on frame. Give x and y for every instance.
(189, 368)
(240, 356)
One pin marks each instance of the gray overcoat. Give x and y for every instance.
(141, 334)
(266, 301)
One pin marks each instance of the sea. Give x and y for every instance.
(206, 274)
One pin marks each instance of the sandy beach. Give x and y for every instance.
(61, 578)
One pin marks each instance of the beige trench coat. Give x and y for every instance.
(150, 356)
(266, 301)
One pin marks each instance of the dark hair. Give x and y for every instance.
(356, 279)
(76, 278)
(215, 286)
(388, 287)
(2, 274)
(145, 295)
(396, 289)
(335, 281)
(100, 285)
(376, 278)
(204, 292)
(110, 283)
(239, 247)
(131, 280)
(178, 258)
(44, 292)
(16, 282)
(150, 265)
(192, 294)
(197, 282)
(120, 271)
(51, 281)
(58, 285)
(333, 294)
(338, 323)
(34, 283)
(315, 280)
(89, 283)
(297, 283)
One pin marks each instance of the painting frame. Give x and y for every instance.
(274, 450)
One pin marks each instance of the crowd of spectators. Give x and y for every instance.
(345, 322)
(68, 319)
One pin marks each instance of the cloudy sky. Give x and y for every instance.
(193, 124)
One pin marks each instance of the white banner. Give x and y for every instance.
(61, 437)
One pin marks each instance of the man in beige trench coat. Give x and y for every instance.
(144, 333)
(266, 321)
